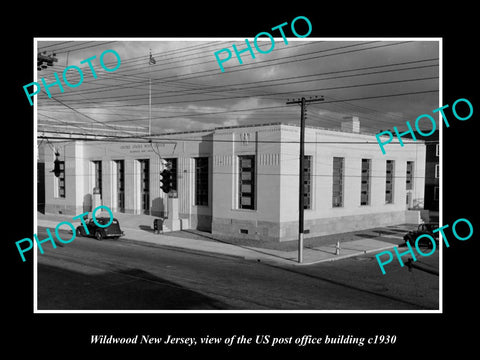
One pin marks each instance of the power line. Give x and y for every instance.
(88, 117)
(64, 49)
(171, 137)
(276, 107)
(283, 106)
(276, 94)
(220, 87)
(225, 88)
(53, 45)
(262, 64)
(108, 87)
(258, 64)
(162, 62)
(131, 62)
(254, 85)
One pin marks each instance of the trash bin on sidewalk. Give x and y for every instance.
(157, 226)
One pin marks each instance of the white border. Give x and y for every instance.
(440, 160)
(35, 195)
(35, 287)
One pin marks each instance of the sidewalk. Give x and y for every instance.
(311, 254)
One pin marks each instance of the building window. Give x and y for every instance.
(437, 171)
(437, 149)
(201, 181)
(389, 181)
(60, 181)
(173, 170)
(246, 186)
(409, 177)
(436, 193)
(120, 179)
(337, 193)
(97, 173)
(365, 185)
(307, 182)
(145, 184)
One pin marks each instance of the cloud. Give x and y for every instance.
(189, 92)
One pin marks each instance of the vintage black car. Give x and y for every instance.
(111, 231)
(425, 228)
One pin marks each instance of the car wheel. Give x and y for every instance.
(408, 238)
(80, 231)
(99, 235)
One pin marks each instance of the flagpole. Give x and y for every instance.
(149, 96)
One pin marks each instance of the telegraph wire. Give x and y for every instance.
(124, 106)
(209, 89)
(53, 45)
(66, 123)
(162, 62)
(209, 55)
(63, 50)
(163, 82)
(140, 59)
(258, 95)
(258, 64)
(224, 88)
(261, 64)
(280, 106)
(168, 137)
(225, 98)
(87, 116)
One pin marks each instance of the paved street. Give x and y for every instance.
(121, 275)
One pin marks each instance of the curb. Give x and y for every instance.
(296, 263)
(341, 257)
(245, 253)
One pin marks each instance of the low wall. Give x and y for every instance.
(271, 231)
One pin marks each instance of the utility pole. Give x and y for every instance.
(301, 201)
(149, 106)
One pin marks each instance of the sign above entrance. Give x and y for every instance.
(137, 148)
(144, 148)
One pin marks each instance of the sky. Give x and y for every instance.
(381, 81)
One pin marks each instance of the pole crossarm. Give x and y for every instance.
(309, 100)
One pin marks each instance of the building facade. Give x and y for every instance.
(243, 181)
(432, 173)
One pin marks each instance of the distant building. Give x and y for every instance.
(432, 173)
(243, 181)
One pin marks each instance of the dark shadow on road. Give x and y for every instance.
(402, 231)
(367, 236)
(349, 286)
(250, 247)
(125, 289)
(384, 232)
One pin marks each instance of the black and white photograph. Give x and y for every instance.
(279, 184)
(199, 170)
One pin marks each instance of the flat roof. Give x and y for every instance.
(212, 131)
(262, 125)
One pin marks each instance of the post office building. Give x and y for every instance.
(242, 181)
